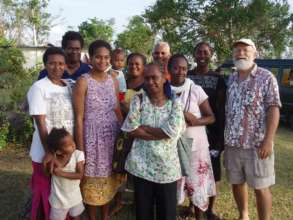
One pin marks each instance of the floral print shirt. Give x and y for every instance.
(246, 107)
(156, 161)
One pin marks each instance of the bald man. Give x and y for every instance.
(161, 54)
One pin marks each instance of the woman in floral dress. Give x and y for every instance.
(200, 184)
(156, 121)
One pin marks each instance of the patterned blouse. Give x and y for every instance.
(246, 107)
(155, 161)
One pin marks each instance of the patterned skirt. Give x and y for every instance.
(201, 184)
(98, 191)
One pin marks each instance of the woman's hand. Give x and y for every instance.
(58, 171)
(206, 118)
(190, 119)
(48, 162)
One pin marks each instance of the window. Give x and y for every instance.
(287, 77)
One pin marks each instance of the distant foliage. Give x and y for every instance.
(138, 37)
(94, 29)
(186, 22)
(25, 21)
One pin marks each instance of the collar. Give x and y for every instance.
(254, 70)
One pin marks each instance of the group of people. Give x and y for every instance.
(78, 110)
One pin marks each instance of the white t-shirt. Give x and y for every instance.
(196, 97)
(65, 193)
(54, 101)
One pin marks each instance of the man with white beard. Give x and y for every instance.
(252, 117)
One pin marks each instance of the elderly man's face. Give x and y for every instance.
(243, 56)
(161, 54)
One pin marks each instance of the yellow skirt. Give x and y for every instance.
(99, 191)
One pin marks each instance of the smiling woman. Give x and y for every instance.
(98, 116)
(50, 106)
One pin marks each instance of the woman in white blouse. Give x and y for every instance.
(197, 113)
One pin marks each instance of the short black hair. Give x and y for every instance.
(54, 138)
(200, 44)
(141, 56)
(118, 51)
(173, 58)
(167, 85)
(52, 51)
(98, 44)
(71, 35)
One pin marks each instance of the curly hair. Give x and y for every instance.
(55, 137)
(141, 56)
(173, 58)
(201, 44)
(71, 35)
(52, 51)
(98, 44)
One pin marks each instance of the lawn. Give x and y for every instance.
(15, 171)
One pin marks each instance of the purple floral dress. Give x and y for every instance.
(100, 126)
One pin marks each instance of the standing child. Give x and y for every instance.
(118, 63)
(65, 197)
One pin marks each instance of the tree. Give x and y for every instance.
(38, 20)
(168, 18)
(94, 29)
(24, 20)
(138, 37)
(221, 22)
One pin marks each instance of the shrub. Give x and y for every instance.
(15, 81)
(4, 130)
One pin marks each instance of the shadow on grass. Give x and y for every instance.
(14, 191)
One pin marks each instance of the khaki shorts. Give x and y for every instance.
(244, 165)
(60, 214)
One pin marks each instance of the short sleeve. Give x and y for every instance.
(79, 156)
(175, 125)
(272, 96)
(200, 94)
(132, 120)
(36, 101)
(43, 74)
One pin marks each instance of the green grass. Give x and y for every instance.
(15, 171)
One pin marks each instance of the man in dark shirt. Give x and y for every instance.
(214, 85)
(72, 44)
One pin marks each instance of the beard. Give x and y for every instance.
(243, 64)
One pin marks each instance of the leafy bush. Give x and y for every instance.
(20, 129)
(16, 125)
(4, 130)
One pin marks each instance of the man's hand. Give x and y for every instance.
(265, 149)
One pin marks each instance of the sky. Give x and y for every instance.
(74, 12)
